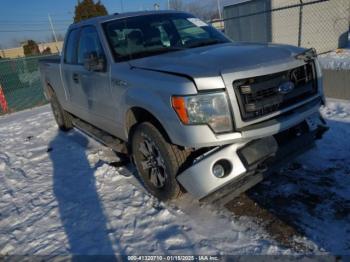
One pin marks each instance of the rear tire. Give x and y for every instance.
(63, 118)
(157, 161)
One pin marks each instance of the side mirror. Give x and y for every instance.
(93, 62)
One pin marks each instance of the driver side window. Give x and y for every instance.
(89, 42)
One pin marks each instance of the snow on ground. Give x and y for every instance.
(60, 195)
(336, 60)
(312, 195)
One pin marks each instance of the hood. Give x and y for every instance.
(206, 65)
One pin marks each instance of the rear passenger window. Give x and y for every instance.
(71, 47)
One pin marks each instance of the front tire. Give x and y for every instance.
(63, 118)
(157, 161)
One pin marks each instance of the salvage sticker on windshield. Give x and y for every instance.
(197, 22)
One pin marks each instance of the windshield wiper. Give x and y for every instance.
(205, 42)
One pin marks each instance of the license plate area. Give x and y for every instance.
(313, 121)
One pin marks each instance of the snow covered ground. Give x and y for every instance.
(336, 60)
(60, 194)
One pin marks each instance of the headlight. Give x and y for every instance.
(210, 109)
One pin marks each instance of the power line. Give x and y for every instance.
(35, 23)
(21, 22)
(32, 30)
(30, 27)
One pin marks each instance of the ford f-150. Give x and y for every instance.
(196, 112)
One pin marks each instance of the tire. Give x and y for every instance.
(157, 161)
(63, 118)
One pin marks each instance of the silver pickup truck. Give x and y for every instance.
(196, 112)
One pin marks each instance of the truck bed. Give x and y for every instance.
(50, 71)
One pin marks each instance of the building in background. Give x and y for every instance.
(16, 52)
(320, 24)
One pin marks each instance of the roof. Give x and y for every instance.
(101, 19)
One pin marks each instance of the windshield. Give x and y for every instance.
(147, 35)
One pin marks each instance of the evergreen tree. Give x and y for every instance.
(100, 8)
(88, 8)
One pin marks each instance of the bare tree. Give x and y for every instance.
(16, 42)
(176, 5)
(205, 9)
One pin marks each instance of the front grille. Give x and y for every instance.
(262, 95)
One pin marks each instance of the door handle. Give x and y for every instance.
(120, 83)
(76, 78)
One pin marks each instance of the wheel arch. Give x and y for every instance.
(49, 91)
(137, 115)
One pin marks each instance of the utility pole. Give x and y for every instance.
(122, 5)
(219, 8)
(53, 30)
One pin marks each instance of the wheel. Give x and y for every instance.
(157, 161)
(63, 118)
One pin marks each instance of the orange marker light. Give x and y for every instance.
(179, 105)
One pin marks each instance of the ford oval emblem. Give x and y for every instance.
(286, 87)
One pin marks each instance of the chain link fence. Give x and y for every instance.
(322, 24)
(20, 84)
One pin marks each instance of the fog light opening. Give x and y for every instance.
(221, 168)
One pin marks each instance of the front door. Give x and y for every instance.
(95, 84)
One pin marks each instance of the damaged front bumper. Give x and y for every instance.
(247, 161)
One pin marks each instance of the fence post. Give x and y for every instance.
(300, 22)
